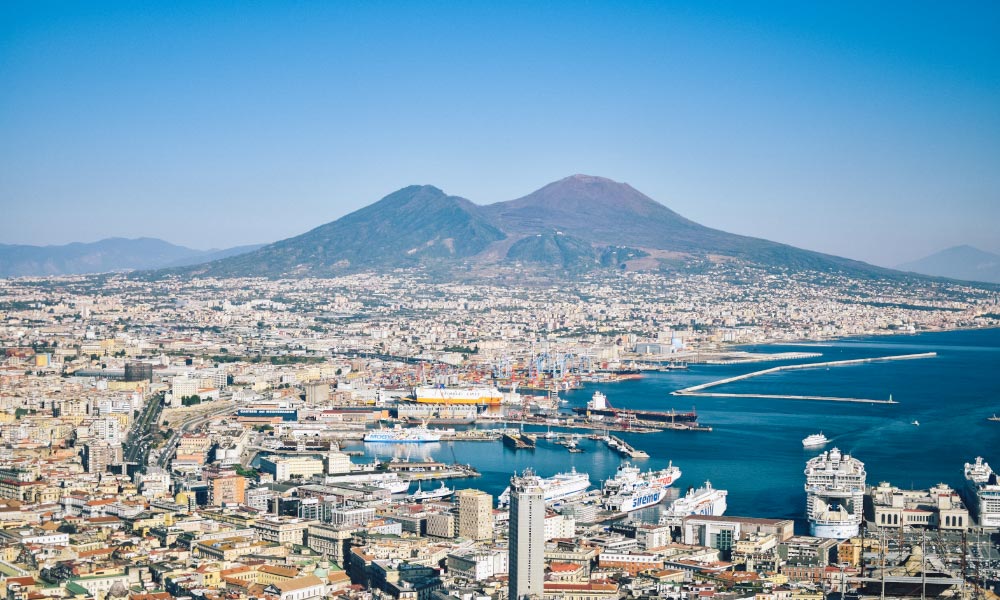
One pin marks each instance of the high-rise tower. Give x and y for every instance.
(527, 536)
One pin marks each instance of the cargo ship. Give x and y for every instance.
(835, 490)
(598, 406)
(558, 488)
(983, 492)
(484, 396)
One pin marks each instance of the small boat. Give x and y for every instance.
(917, 423)
(815, 440)
(993, 418)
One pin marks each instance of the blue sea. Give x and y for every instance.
(755, 449)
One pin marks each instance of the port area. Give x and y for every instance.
(699, 390)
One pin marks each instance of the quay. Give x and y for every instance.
(622, 447)
(698, 390)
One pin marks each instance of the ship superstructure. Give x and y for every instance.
(558, 488)
(983, 492)
(835, 490)
(705, 500)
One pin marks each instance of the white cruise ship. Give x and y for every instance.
(421, 494)
(401, 435)
(631, 489)
(815, 440)
(705, 500)
(835, 490)
(558, 488)
(983, 492)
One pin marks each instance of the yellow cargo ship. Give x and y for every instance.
(489, 396)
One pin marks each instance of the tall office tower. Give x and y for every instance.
(475, 515)
(526, 543)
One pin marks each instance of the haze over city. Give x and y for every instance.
(860, 130)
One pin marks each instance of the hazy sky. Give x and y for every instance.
(868, 130)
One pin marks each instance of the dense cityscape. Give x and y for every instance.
(198, 438)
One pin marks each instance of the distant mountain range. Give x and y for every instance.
(112, 254)
(576, 224)
(958, 262)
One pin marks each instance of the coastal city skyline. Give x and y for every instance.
(493, 301)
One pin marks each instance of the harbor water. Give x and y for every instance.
(755, 449)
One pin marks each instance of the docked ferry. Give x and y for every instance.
(705, 500)
(402, 435)
(631, 489)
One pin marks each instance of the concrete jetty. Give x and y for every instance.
(616, 443)
(698, 390)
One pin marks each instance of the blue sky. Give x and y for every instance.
(868, 130)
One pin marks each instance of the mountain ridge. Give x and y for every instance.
(105, 255)
(963, 262)
(604, 224)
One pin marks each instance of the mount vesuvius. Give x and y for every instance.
(575, 224)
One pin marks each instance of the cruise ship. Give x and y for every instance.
(489, 396)
(402, 435)
(835, 490)
(983, 492)
(815, 440)
(705, 500)
(631, 489)
(558, 488)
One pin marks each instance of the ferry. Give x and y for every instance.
(420, 495)
(631, 489)
(815, 440)
(705, 500)
(558, 488)
(402, 435)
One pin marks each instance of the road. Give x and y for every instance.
(136, 444)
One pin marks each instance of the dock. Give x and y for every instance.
(622, 447)
(698, 390)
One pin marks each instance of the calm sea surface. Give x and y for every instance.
(755, 450)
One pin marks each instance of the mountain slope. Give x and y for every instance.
(414, 225)
(958, 262)
(575, 224)
(605, 212)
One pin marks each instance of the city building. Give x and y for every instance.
(526, 543)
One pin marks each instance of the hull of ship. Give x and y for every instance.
(661, 417)
(461, 401)
(636, 500)
(839, 531)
